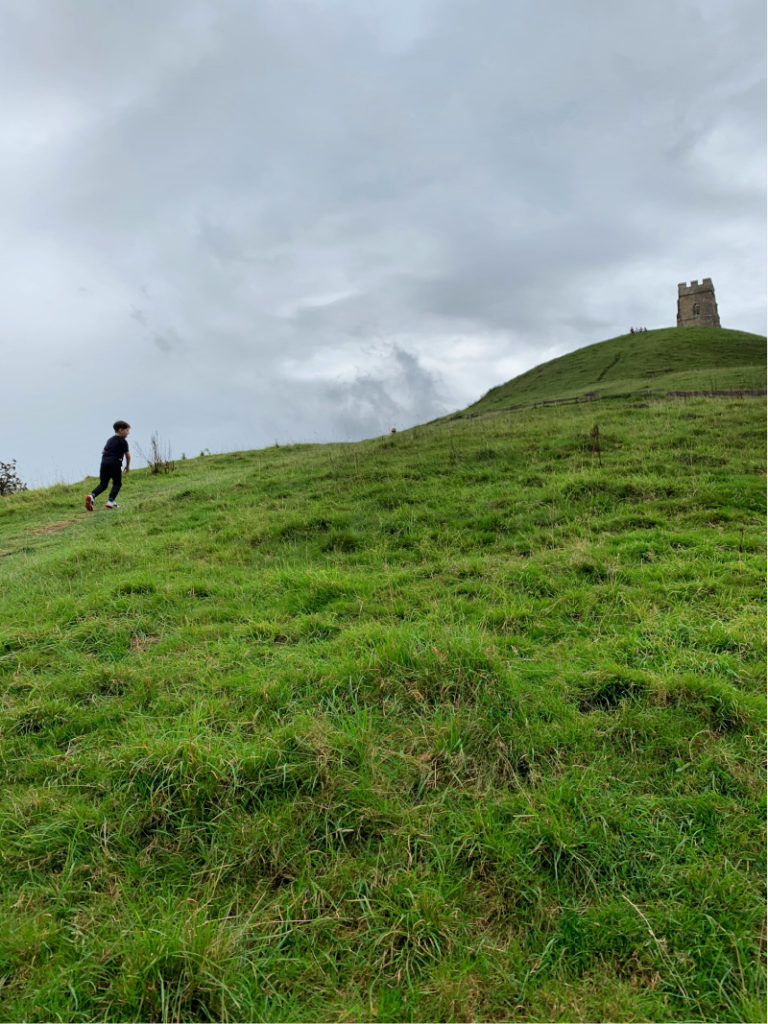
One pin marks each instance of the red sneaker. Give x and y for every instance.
(89, 502)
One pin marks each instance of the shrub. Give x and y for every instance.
(9, 478)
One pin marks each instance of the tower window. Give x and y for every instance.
(696, 309)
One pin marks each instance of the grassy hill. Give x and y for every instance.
(466, 723)
(655, 362)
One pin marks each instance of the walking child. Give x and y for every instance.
(112, 465)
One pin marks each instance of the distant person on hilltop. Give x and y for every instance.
(112, 465)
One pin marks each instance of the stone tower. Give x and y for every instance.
(696, 306)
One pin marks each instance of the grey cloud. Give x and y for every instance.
(168, 341)
(225, 244)
(370, 405)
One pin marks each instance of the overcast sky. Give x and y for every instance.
(236, 222)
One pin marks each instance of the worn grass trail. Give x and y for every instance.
(455, 724)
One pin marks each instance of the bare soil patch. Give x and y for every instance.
(62, 524)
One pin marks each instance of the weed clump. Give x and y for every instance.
(159, 459)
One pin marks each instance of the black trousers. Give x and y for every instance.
(111, 469)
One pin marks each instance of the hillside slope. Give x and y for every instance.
(465, 723)
(670, 359)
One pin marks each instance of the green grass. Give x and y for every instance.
(457, 724)
(655, 362)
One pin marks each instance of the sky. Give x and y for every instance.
(235, 223)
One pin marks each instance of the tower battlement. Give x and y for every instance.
(696, 305)
(694, 286)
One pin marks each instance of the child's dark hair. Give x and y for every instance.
(120, 425)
